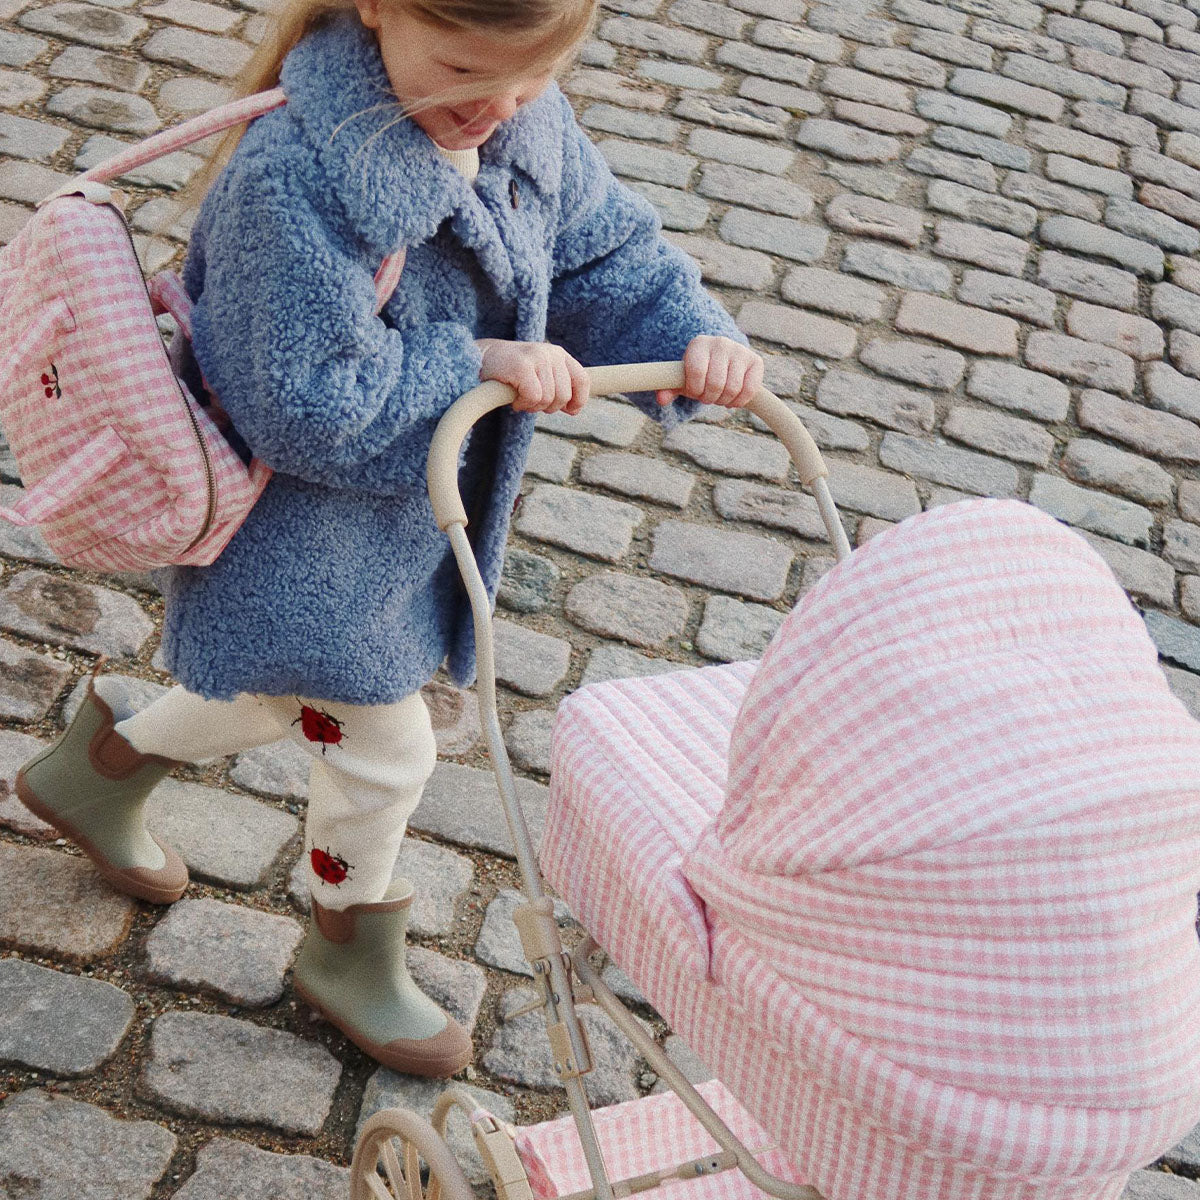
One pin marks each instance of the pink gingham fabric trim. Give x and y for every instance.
(651, 1134)
(951, 956)
(637, 769)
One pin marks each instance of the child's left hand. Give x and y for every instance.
(717, 370)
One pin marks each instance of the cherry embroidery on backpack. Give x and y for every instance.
(319, 726)
(50, 383)
(329, 868)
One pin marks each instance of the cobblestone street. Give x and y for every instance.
(963, 234)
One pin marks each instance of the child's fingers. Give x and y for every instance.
(696, 359)
(581, 386)
(525, 378)
(716, 385)
(751, 384)
(561, 394)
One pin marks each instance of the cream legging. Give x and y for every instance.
(369, 766)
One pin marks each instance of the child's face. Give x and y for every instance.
(423, 61)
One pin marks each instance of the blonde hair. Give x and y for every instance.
(552, 29)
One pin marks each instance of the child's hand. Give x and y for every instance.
(717, 370)
(546, 377)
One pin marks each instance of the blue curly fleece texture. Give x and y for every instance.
(339, 585)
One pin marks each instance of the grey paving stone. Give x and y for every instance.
(499, 944)
(29, 682)
(1044, 193)
(218, 56)
(979, 145)
(387, 1089)
(984, 247)
(742, 563)
(901, 64)
(550, 458)
(1007, 93)
(280, 769)
(454, 715)
(1167, 389)
(1147, 225)
(780, 508)
(799, 330)
(833, 18)
(1077, 32)
(971, 172)
(1001, 293)
(189, 95)
(86, 23)
(754, 189)
(882, 120)
(730, 452)
(1185, 352)
(1015, 388)
(1122, 70)
(528, 740)
(591, 525)
(676, 74)
(738, 114)
(52, 1148)
(222, 837)
(647, 35)
(829, 432)
(1060, 140)
(461, 805)
(457, 986)
(1133, 335)
(66, 612)
(911, 271)
(439, 877)
(23, 138)
(197, 15)
(138, 693)
(1119, 19)
(940, 463)
(17, 89)
(226, 1167)
(170, 171)
(1158, 1185)
(849, 84)
(636, 161)
(797, 240)
(635, 475)
(616, 662)
(929, 16)
(643, 612)
(1186, 1154)
(1071, 233)
(1008, 37)
(93, 66)
(833, 292)
(845, 141)
(1088, 280)
(756, 61)
(1105, 466)
(612, 118)
(237, 953)
(1181, 544)
(740, 151)
(1186, 687)
(784, 35)
(870, 181)
(605, 85)
(731, 265)
(15, 750)
(528, 580)
(870, 217)
(1140, 572)
(1157, 433)
(103, 108)
(782, 95)
(958, 325)
(1063, 80)
(733, 631)
(1163, 112)
(227, 1070)
(529, 662)
(1177, 641)
(997, 433)
(521, 1053)
(1189, 499)
(1080, 361)
(676, 209)
(19, 49)
(961, 51)
(56, 1022)
(57, 904)
(1176, 307)
(1179, 64)
(877, 493)
(1120, 519)
(888, 404)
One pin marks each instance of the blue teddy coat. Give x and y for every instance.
(339, 585)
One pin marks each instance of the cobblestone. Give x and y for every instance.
(1158, 433)
(1044, 193)
(848, 393)
(643, 612)
(55, 1147)
(1176, 307)
(867, 216)
(780, 508)
(721, 263)
(1167, 389)
(1088, 281)
(1003, 294)
(1101, 465)
(730, 452)
(52, 1021)
(1181, 544)
(461, 805)
(1185, 352)
(957, 324)
(1007, 93)
(971, 172)
(237, 953)
(876, 493)
(1146, 225)
(499, 944)
(939, 463)
(1072, 142)
(1070, 233)
(742, 563)
(1133, 335)
(999, 434)
(790, 327)
(1139, 572)
(832, 292)
(914, 362)
(754, 190)
(1013, 387)
(1177, 641)
(528, 740)
(529, 662)
(635, 475)
(228, 1070)
(29, 682)
(1120, 519)
(966, 114)
(733, 631)
(845, 141)
(792, 239)
(897, 267)
(227, 1167)
(591, 525)
(984, 247)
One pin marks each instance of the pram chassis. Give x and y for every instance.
(552, 966)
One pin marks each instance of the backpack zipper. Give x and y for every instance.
(209, 475)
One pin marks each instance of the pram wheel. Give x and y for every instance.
(400, 1156)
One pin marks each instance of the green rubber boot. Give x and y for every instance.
(351, 968)
(92, 785)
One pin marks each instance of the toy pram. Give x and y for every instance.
(919, 886)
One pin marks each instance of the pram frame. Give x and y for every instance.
(550, 963)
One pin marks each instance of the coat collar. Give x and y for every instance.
(386, 173)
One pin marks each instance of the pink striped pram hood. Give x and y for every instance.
(955, 873)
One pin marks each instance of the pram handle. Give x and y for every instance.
(635, 377)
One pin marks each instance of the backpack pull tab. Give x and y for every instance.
(91, 191)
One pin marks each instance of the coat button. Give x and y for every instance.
(514, 196)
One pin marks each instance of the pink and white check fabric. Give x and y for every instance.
(655, 1133)
(952, 888)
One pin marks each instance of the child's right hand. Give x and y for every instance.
(546, 377)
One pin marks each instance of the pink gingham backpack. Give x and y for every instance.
(124, 468)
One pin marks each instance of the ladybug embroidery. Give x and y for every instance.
(319, 726)
(330, 868)
(50, 383)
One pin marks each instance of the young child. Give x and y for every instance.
(432, 126)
